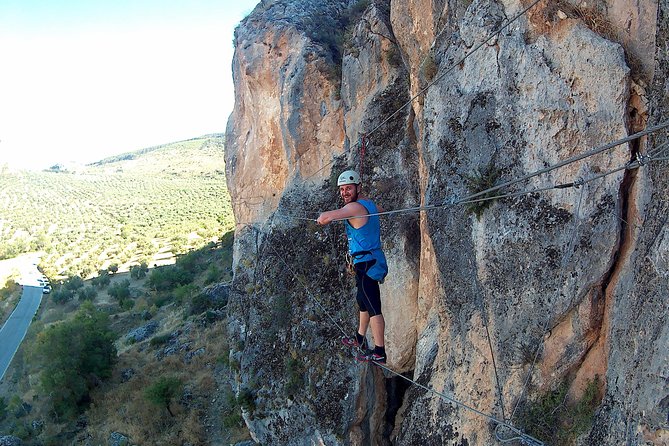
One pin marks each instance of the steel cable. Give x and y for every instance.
(435, 80)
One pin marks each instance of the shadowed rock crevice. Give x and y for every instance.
(594, 362)
(368, 426)
(396, 388)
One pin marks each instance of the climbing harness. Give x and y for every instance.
(350, 266)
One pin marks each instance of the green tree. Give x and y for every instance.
(139, 271)
(213, 274)
(74, 356)
(168, 277)
(189, 262)
(73, 283)
(62, 295)
(183, 293)
(87, 293)
(120, 291)
(163, 391)
(102, 280)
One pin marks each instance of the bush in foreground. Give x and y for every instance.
(74, 357)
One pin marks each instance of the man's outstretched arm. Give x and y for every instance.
(350, 210)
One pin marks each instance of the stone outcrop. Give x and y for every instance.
(118, 439)
(141, 333)
(217, 293)
(10, 440)
(494, 306)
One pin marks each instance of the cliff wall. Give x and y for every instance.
(497, 306)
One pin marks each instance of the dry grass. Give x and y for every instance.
(205, 382)
(428, 68)
(7, 306)
(593, 19)
(122, 407)
(545, 17)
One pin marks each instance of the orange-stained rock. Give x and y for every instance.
(495, 306)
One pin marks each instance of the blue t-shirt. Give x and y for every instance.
(364, 243)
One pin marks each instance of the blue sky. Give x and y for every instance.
(82, 80)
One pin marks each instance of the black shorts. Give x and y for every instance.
(369, 295)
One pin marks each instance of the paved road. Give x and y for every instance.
(14, 330)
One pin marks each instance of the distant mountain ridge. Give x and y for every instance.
(136, 153)
(203, 155)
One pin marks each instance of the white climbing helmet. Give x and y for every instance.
(348, 177)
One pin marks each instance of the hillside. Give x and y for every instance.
(197, 157)
(166, 324)
(136, 348)
(144, 207)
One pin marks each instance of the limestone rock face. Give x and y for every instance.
(561, 283)
(288, 120)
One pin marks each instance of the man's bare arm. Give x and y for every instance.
(350, 210)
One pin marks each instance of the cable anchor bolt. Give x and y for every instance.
(450, 201)
(642, 159)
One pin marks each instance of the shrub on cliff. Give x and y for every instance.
(162, 392)
(330, 30)
(479, 181)
(294, 375)
(168, 277)
(556, 420)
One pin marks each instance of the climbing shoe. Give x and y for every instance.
(353, 342)
(371, 357)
